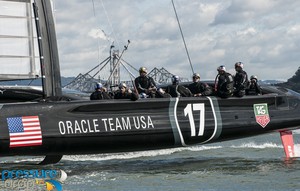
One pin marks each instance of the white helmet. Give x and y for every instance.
(221, 68)
(253, 77)
(239, 64)
(196, 75)
(121, 85)
(143, 95)
(98, 86)
(175, 79)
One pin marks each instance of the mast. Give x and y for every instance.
(30, 38)
(51, 76)
(182, 36)
(116, 73)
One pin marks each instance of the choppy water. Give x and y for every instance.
(248, 164)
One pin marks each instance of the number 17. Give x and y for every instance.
(188, 110)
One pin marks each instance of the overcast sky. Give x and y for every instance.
(263, 34)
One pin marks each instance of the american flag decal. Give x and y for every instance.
(24, 131)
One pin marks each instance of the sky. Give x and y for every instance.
(263, 34)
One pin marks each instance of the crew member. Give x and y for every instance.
(223, 83)
(241, 81)
(99, 93)
(198, 88)
(254, 88)
(177, 90)
(125, 93)
(145, 84)
(161, 93)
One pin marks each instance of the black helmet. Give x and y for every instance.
(239, 64)
(143, 69)
(175, 79)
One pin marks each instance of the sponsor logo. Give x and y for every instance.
(118, 124)
(261, 114)
(32, 179)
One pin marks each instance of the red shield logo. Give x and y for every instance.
(262, 114)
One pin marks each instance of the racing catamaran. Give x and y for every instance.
(47, 123)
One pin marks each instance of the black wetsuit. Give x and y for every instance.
(143, 83)
(97, 95)
(176, 90)
(253, 89)
(240, 83)
(225, 85)
(132, 96)
(199, 87)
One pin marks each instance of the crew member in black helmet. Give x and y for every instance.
(241, 81)
(99, 93)
(223, 83)
(198, 88)
(254, 88)
(145, 84)
(176, 90)
(125, 93)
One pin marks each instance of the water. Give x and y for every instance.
(249, 164)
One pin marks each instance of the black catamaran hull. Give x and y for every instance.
(85, 127)
(57, 128)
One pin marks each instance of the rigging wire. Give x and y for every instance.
(98, 42)
(106, 36)
(94, 8)
(110, 24)
(187, 52)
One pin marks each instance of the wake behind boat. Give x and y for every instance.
(51, 124)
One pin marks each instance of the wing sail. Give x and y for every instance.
(19, 55)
